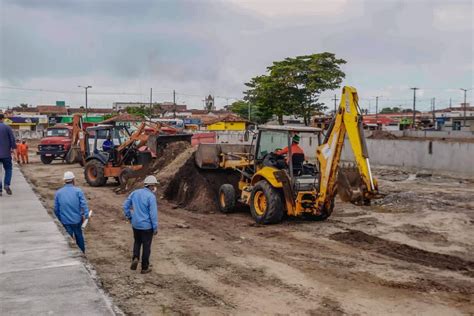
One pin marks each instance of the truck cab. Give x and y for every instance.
(55, 144)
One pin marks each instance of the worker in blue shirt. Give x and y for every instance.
(70, 207)
(108, 144)
(7, 148)
(142, 210)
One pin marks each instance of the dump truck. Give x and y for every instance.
(55, 144)
(273, 185)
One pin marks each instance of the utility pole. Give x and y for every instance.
(433, 107)
(249, 111)
(465, 91)
(414, 106)
(450, 103)
(174, 104)
(335, 103)
(151, 101)
(85, 88)
(377, 111)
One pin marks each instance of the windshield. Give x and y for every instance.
(271, 141)
(61, 132)
(117, 134)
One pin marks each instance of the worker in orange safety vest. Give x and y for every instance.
(23, 150)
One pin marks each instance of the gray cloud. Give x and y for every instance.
(215, 46)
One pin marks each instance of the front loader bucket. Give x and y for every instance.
(349, 182)
(157, 142)
(210, 156)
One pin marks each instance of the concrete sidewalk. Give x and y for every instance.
(39, 272)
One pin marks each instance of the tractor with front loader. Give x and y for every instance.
(131, 151)
(273, 185)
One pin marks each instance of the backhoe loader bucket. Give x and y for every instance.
(157, 142)
(349, 183)
(210, 156)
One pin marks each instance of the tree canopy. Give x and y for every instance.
(141, 111)
(293, 86)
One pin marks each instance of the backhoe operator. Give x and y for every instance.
(108, 145)
(295, 148)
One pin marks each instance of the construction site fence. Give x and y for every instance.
(438, 156)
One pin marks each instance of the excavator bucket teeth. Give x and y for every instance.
(349, 182)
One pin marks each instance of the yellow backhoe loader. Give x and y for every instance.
(272, 184)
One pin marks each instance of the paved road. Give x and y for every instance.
(40, 274)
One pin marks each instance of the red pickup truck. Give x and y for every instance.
(55, 144)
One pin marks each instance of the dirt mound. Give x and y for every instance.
(382, 135)
(196, 189)
(404, 252)
(165, 157)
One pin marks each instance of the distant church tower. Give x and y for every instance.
(209, 103)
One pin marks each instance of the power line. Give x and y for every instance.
(70, 92)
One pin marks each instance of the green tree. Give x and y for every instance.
(294, 85)
(141, 111)
(389, 110)
(242, 108)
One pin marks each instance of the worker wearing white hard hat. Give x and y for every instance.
(141, 209)
(70, 207)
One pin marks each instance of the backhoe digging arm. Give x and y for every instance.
(348, 120)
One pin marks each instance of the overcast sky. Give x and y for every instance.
(201, 47)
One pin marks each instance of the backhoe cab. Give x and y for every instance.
(273, 185)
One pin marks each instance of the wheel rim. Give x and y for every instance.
(260, 203)
(222, 199)
(92, 173)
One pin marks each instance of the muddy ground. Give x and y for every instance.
(410, 253)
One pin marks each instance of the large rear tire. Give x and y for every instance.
(266, 205)
(47, 159)
(226, 198)
(94, 173)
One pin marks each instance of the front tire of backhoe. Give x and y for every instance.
(266, 205)
(226, 198)
(94, 173)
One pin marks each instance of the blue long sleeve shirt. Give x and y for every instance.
(141, 207)
(107, 145)
(70, 205)
(7, 141)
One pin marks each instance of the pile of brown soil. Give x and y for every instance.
(382, 135)
(196, 189)
(165, 157)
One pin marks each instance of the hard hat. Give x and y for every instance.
(296, 139)
(68, 176)
(150, 180)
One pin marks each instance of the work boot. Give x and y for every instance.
(145, 271)
(134, 264)
(8, 190)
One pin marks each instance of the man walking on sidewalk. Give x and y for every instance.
(7, 148)
(142, 210)
(70, 207)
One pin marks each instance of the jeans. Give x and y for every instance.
(8, 166)
(142, 237)
(75, 231)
